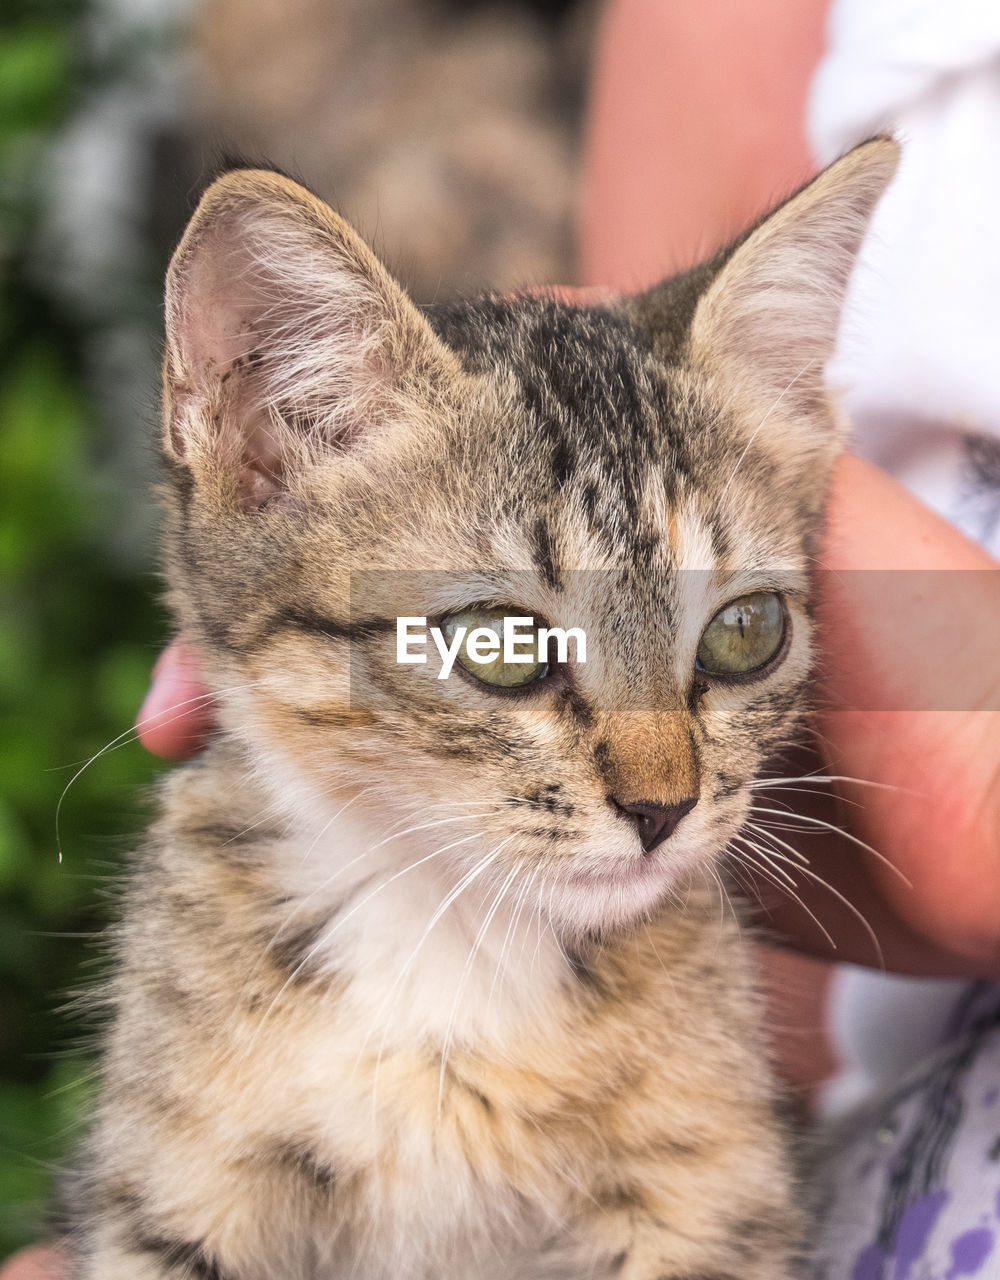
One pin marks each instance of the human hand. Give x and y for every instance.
(40, 1262)
(176, 716)
(931, 810)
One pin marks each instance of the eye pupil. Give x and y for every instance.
(743, 636)
(528, 666)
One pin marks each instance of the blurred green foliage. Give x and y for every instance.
(77, 637)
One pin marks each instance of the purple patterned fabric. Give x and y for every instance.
(910, 1188)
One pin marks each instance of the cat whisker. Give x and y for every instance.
(813, 821)
(793, 858)
(467, 969)
(751, 854)
(499, 805)
(331, 820)
(466, 880)
(667, 971)
(299, 904)
(302, 903)
(750, 860)
(712, 876)
(271, 812)
(342, 920)
(427, 826)
(764, 784)
(543, 925)
(549, 922)
(798, 791)
(515, 917)
(393, 832)
(734, 870)
(326, 936)
(131, 734)
(790, 826)
(724, 897)
(767, 869)
(818, 879)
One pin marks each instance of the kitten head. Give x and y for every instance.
(652, 473)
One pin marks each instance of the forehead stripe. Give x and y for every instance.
(303, 619)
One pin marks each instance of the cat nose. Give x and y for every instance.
(654, 822)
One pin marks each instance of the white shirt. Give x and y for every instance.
(919, 350)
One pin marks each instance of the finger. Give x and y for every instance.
(175, 719)
(36, 1263)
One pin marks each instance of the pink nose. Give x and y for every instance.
(654, 822)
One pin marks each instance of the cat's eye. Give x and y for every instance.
(489, 639)
(744, 636)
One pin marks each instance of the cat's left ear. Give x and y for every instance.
(767, 324)
(286, 339)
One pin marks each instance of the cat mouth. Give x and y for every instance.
(636, 873)
(625, 875)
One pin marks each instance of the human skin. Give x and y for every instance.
(695, 128)
(36, 1263)
(933, 813)
(176, 716)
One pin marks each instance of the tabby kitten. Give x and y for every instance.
(427, 979)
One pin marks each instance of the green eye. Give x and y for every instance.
(744, 636)
(482, 655)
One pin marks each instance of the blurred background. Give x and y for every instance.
(446, 131)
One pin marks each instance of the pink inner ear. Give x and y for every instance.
(255, 488)
(285, 337)
(218, 309)
(262, 466)
(216, 328)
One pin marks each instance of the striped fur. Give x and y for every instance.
(399, 995)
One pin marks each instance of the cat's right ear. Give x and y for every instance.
(764, 322)
(770, 317)
(286, 340)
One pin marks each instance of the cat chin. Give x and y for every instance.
(603, 901)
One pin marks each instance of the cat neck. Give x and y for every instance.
(413, 920)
